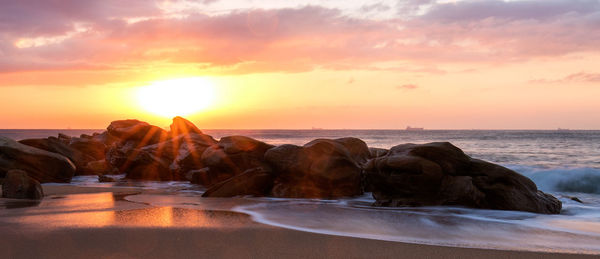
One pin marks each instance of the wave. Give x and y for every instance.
(582, 180)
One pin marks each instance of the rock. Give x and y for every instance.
(99, 167)
(165, 161)
(79, 159)
(18, 185)
(256, 182)
(232, 156)
(377, 152)
(137, 153)
(576, 199)
(320, 169)
(119, 153)
(106, 179)
(181, 126)
(143, 165)
(41, 165)
(64, 138)
(141, 133)
(105, 138)
(200, 176)
(184, 152)
(357, 148)
(441, 174)
(89, 146)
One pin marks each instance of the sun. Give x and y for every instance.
(177, 97)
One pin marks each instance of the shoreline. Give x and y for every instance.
(137, 230)
(253, 242)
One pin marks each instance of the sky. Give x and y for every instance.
(298, 64)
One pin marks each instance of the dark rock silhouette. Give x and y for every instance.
(140, 132)
(200, 176)
(91, 146)
(441, 174)
(100, 167)
(39, 164)
(322, 168)
(52, 144)
(232, 156)
(184, 152)
(18, 185)
(106, 179)
(181, 126)
(255, 182)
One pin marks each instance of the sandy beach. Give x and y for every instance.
(82, 222)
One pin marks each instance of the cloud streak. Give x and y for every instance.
(581, 77)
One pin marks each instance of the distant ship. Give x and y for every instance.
(413, 129)
(561, 129)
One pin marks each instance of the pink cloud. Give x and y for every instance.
(293, 39)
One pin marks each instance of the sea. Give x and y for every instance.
(564, 163)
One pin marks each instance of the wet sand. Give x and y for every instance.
(83, 222)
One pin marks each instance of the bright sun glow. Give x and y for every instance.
(177, 97)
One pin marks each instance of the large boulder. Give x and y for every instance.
(137, 131)
(189, 154)
(55, 145)
(181, 126)
(18, 185)
(358, 149)
(119, 153)
(322, 168)
(442, 174)
(232, 156)
(139, 163)
(144, 165)
(255, 182)
(105, 138)
(100, 167)
(183, 153)
(90, 146)
(41, 165)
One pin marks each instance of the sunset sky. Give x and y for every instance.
(301, 64)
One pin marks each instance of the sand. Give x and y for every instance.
(104, 226)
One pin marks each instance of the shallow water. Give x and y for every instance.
(563, 163)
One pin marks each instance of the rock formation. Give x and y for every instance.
(322, 168)
(41, 165)
(18, 185)
(441, 174)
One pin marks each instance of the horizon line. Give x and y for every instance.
(325, 129)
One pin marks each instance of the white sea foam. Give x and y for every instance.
(447, 226)
(581, 180)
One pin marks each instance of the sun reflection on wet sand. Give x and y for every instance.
(108, 210)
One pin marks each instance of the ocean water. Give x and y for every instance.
(563, 163)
